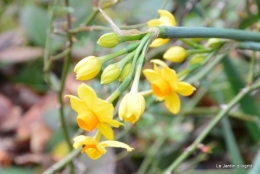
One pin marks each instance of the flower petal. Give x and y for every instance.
(87, 94)
(151, 75)
(169, 15)
(101, 148)
(112, 122)
(93, 153)
(185, 88)
(159, 42)
(87, 121)
(153, 23)
(106, 130)
(83, 140)
(170, 76)
(77, 105)
(159, 62)
(122, 108)
(116, 144)
(103, 109)
(173, 103)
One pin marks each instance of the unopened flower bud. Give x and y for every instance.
(175, 54)
(87, 68)
(108, 40)
(125, 71)
(198, 58)
(110, 74)
(215, 42)
(131, 107)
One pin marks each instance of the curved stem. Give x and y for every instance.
(211, 125)
(207, 32)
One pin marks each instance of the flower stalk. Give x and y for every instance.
(207, 32)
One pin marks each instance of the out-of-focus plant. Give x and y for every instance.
(165, 82)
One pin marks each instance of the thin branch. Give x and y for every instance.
(211, 125)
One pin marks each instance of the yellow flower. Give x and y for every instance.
(87, 68)
(95, 149)
(175, 54)
(165, 85)
(166, 19)
(93, 112)
(131, 107)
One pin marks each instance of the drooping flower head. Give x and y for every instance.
(131, 107)
(93, 112)
(166, 86)
(95, 149)
(165, 19)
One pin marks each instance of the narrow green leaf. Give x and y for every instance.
(35, 21)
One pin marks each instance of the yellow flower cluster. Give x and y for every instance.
(97, 114)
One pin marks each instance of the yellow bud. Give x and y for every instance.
(131, 107)
(87, 68)
(175, 54)
(110, 74)
(198, 58)
(215, 42)
(108, 40)
(125, 72)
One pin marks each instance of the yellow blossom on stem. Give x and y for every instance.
(166, 86)
(87, 68)
(165, 19)
(93, 112)
(131, 107)
(95, 149)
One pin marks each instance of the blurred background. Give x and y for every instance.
(31, 138)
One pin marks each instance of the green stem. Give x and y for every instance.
(207, 32)
(252, 69)
(57, 166)
(151, 153)
(195, 51)
(63, 79)
(128, 49)
(95, 12)
(139, 67)
(249, 46)
(205, 111)
(46, 61)
(125, 38)
(210, 126)
(123, 86)
(191, 43)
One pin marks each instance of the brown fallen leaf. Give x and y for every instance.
(10, 120)
(20, 54)
(32, 124)
(39, 137)
(5, 158)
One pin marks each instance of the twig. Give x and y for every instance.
(63, 79)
